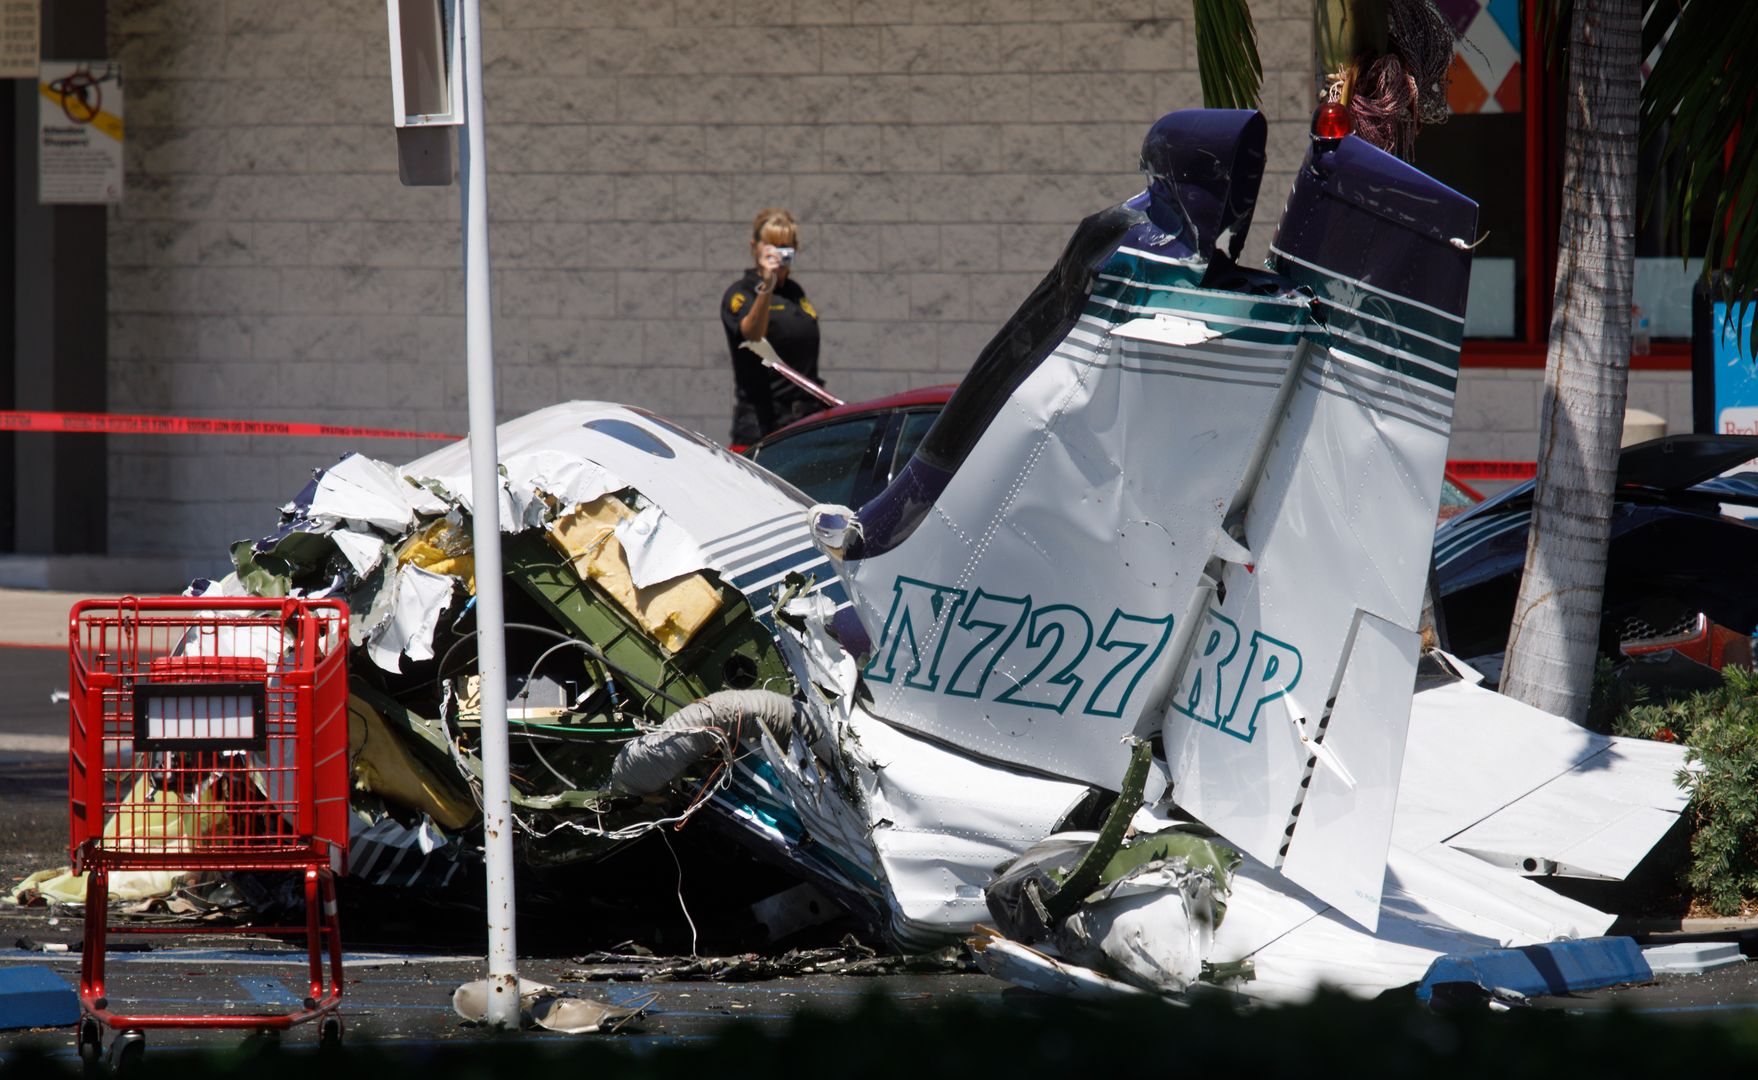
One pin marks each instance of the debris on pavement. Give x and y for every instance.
(550, 1008)
(848, 958)
(1693, 957)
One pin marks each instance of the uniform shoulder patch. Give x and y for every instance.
(806, 306)
(737, 302)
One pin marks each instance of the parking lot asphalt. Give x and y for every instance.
(399, 989)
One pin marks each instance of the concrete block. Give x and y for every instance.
(698, 13)
(1180, 88)
(1081, 96)
(255, 17)
(1555, 968)
(794, 147)
(1032, 248)
(233, 289)
(192, 17)
(523, 388)
(879, 296)
(996, 98)
(1285, 44)
(1126, 10)
(909, 248)
(1029, 47)
(995, 297)
(647, 99)
(849, 50)
(643, 294)
(915, 49)
(1496, 401)
(940, 11)
(1100, 148)
(879, 99)
(1142, 45)
(911, 347)
(970, 248)
(878, 198)
(1033, 147)
(960, 343)
(971, 148)
(908, 148)
(939, 297)
(643, 199)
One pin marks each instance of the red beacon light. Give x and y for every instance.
(1332, 121)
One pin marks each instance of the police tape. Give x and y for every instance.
(121, 424)
(1493, 470)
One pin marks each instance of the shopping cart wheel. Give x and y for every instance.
(126, 1052)
(91, 1041)
(329, 1033)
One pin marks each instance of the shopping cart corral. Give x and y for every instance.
(208, 735)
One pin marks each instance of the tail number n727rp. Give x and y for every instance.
(1014, 650)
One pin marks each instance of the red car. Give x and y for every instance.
(848, 454)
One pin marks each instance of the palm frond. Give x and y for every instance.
(1332, 29)
(1226, 54)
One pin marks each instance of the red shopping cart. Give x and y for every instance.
(209, 735)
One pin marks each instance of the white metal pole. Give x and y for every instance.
(491, 659)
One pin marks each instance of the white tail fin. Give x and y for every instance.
(1161, 503)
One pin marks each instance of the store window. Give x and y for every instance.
(1487, 98)
(1502, 146)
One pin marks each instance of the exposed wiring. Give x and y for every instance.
(585, 646)
(683, 907)
(525, 695)
(716, 781)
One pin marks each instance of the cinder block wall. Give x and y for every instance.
(1496, 414)
(266, 263)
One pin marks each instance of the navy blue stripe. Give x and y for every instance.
(799, 558)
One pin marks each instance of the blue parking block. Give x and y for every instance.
(1559, 967)
(33, 996)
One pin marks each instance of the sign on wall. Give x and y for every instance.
(1736, 370)
(20, 38)
(79, 131)
(1724, 370)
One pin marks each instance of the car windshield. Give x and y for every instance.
(824, 462)
(915, 425)
(1453, 495)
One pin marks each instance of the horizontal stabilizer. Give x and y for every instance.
(1571, 802)
(1597, 820)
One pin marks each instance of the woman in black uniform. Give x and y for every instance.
(767, 303)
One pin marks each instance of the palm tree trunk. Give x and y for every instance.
(1555, 633)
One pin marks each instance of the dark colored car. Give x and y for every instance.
(848, 454)
(1682, 570)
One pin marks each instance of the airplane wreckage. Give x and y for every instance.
(1157, 570)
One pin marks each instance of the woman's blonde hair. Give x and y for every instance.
(773, 225)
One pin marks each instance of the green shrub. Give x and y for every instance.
(1612, 696)
(1720, 731)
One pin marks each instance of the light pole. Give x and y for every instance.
(491, 653)
(436, 79)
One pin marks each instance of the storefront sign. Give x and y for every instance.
(20, 38)
(79, 129)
